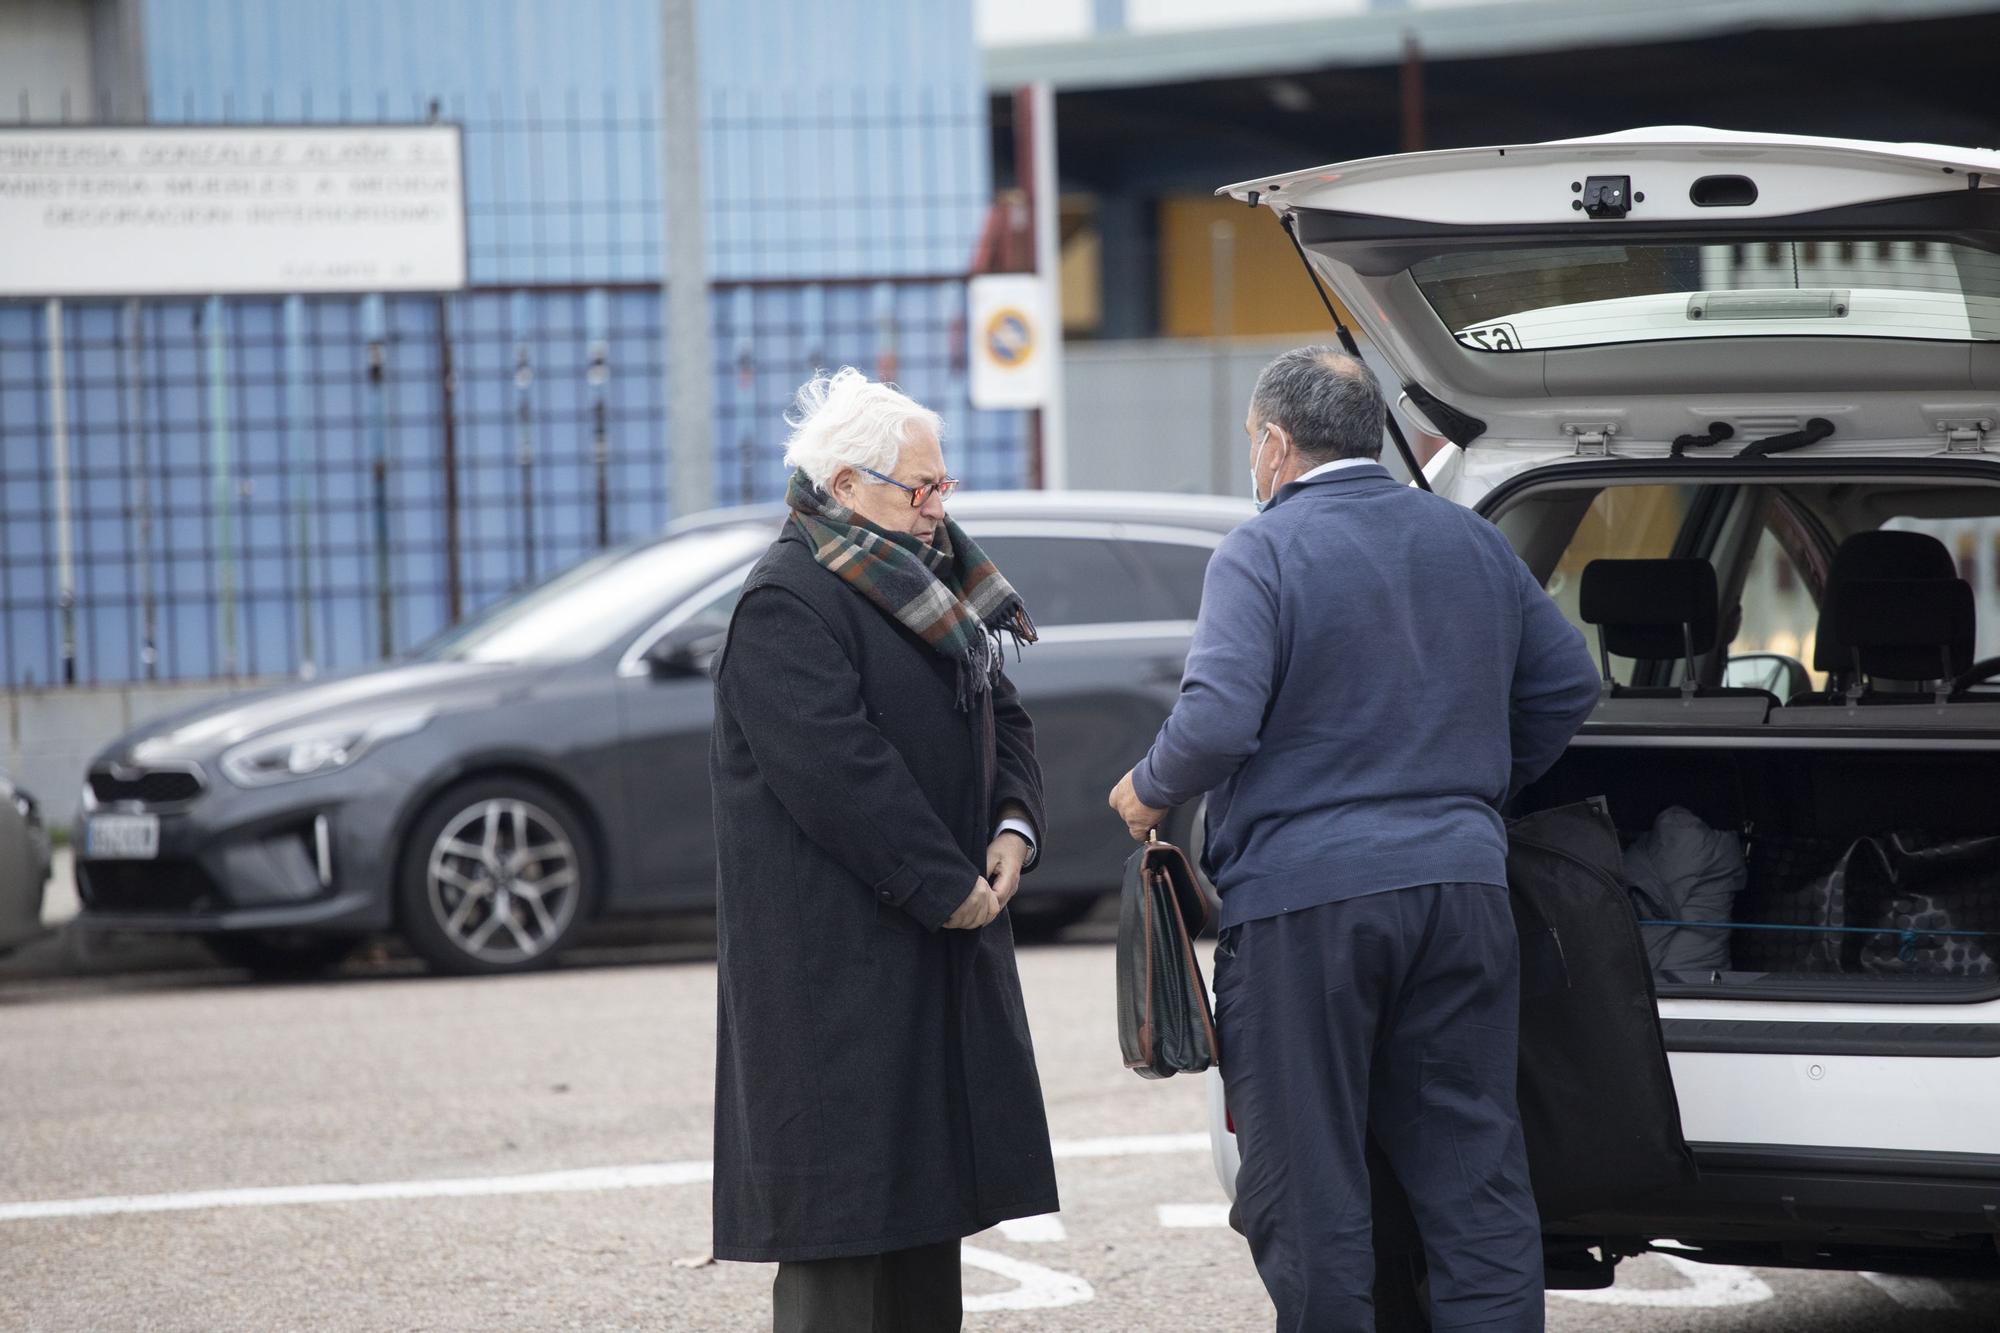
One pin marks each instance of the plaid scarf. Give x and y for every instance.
(945, 591)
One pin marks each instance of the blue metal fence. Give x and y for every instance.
(243, 472)
(228, 513)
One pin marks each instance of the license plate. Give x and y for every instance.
(122, 838)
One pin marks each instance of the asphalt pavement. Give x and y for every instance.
(182, 1149)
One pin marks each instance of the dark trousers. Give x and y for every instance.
(904, 1291)
(1399, 1012)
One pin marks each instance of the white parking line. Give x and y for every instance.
(1707, 1286)
(1133, 1145)
(1043, 1229)
(546, 1182)
(646, 1176)
(1039, 1288)
(1194, 1214)
(1916, 1293)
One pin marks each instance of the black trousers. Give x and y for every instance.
(1400, 1011)
(904, 1291)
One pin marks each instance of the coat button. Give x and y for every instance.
(887, 896)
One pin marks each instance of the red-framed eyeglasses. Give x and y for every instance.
(918, 494)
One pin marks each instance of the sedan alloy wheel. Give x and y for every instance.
(503, 881)
(497, 875)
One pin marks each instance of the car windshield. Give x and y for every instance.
(1516, 299)
(592, 605)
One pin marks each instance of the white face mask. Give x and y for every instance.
(1256, 457)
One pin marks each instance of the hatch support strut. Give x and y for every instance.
(1290, 225)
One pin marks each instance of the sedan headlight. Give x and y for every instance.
(318, 749)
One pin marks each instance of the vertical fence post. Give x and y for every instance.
(743, 317)
(690, 368)
(303, 477)
(888, 355)
(374, 319)
(1221, 324)
(142, 485)
(813, 320)
(448, 424)
(52, 320)
(222, 478)
(1048, 265)
(597, 328)
(524, 429)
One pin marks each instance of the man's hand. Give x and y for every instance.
(1005, 856)
(980, 906)
(1140, 818)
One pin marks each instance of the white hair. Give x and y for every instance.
(847, 420)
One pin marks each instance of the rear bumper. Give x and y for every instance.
(1959, 1040)
(1781, 1206)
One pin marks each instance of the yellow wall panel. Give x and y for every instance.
(1271, 294)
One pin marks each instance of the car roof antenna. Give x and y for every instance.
(1289, 222)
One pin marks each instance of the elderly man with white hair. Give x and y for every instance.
(876, 803)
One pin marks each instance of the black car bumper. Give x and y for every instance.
(313, 854)
(1823, 1208)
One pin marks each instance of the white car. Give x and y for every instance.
(1775, 358)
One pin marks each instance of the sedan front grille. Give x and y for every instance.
(146, 886)
(156, 786)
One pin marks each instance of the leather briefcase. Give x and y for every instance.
(1165, 1026)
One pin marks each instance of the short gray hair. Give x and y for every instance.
(847, 420)
(1326, 400)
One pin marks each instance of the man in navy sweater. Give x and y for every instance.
(1373, 672)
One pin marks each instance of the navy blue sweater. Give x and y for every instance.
(1373, 672)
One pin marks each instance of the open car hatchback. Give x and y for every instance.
(1733, 398)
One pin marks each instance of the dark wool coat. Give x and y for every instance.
(875, 1088)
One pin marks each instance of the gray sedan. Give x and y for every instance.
(546, 762)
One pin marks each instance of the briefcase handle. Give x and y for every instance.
(1197, 911)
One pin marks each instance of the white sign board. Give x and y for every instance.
(1009, 329)
(211, 210)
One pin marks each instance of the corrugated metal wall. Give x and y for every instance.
(845, 138)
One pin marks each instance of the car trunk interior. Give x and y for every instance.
(1913, 832)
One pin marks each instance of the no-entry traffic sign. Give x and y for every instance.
(1010, 335)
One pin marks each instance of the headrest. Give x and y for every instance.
(1642, 605)
(1874, 555)
(1898, 625)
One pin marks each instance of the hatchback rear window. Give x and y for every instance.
(1524, 299)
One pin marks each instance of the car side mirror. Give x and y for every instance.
(685, 652)
(1783, 676)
